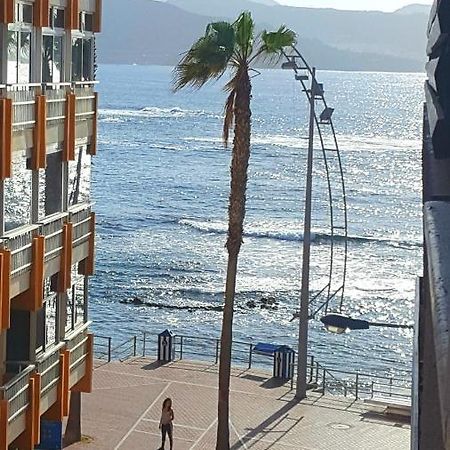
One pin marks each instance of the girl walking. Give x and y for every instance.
(166, 423)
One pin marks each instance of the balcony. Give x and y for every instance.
(58, 104)
(21, 240)
(16, 396)
(44, 385)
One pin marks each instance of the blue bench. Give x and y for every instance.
(266, 349)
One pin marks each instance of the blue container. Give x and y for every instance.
(51, 435)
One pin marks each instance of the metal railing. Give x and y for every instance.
(56, 102)
(51, 227)
(16, 392)
(324, 379)
(103, 347)
(355, 384)
(76, 344)
(85, 101)
(23, 98)
(49, 367)
(80, 216)
(20, 242)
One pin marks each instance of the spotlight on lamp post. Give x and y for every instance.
(338, 323)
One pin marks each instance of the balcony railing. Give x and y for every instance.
(20, 240)
(85, 106)
(20, 243)
(56, 102)
(16, 392)
(77, 346)
(52, 228)
(23, 98)
(80, 216)
(49, 367)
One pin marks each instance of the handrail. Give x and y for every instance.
(16, 232)
(73, 209)
(30, 369)
(77, 331)
(53, 349)
(86, 83)
(53, 218)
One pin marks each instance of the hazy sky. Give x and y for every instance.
(381, 5)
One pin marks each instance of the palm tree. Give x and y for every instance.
(232, 47)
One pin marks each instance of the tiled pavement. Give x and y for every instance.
(123, 412)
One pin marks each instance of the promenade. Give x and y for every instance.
(123, 412)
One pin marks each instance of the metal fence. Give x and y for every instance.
(322, 379)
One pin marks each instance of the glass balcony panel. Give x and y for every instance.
(79, 177)
(77, 59)
(24, 70)
(13, 42)
(18, 195)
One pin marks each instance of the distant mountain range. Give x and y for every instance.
(155, 32)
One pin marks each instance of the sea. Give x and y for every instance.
(161, 185)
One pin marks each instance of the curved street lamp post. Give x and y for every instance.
(338, 323)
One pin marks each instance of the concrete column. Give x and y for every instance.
(61, 316)
(86, 298)
(429, 433)
(54, 182)
(2, 208)
(2, 354)
(35, 196)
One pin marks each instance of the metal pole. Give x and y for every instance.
(300, 393)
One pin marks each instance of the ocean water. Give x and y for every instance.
(161, 182)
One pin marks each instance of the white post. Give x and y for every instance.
(302, 362)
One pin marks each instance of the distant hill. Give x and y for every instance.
(414, 9)
(152, 32)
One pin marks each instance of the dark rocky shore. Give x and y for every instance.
(269, 303)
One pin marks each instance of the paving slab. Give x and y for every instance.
(123, 412)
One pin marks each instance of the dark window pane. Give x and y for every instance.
(58, 59)
(88, 22)
(58, 18)
(47, 59)
(87, 60)
(27, 13)
(40, 329)
(77, 59)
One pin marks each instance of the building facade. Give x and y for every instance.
(48, 127)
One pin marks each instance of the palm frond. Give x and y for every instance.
(245, 34)
(207, 58)
(229, 116)
(273, 43)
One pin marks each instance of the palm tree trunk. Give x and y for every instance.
(236, 215)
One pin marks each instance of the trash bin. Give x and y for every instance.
(51, 435)
(166, 346)
(283, 363)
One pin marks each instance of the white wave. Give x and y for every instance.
(253, 231)
(153, 112)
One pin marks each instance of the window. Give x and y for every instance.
(27, 13)
(82, 59)
(19, 57)
(57, 18)
(19, 45)
(88, 22)
(77, 59)
(76, 300)
(52, 59)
